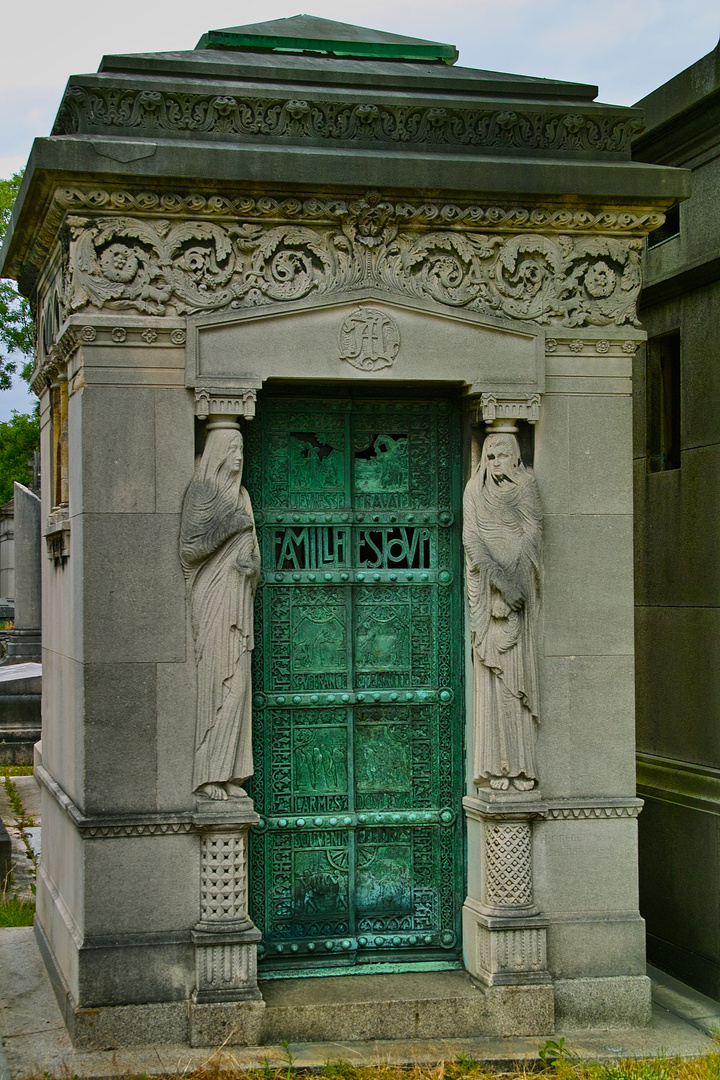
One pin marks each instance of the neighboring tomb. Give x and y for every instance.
(20, 672)
(677, 472)
(329, 241)
(24, 640)
(7, 554)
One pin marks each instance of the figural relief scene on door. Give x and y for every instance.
(357, 676)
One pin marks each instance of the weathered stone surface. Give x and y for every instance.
(603, 1003)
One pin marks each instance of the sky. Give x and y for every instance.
(625, 47)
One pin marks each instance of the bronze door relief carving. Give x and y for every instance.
(358, 705)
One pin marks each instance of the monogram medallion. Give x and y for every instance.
(369, 339)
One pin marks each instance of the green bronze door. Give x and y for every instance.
(358, 707)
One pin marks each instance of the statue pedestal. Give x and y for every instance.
(226, 1006)
(504, 933)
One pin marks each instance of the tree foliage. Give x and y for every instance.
(16, 329)
(19, 437)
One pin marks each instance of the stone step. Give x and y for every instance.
(446, 1004)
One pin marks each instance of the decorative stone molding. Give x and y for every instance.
(185, 268)
(371, 214)
(372, 209)
(57, 536)
(571, 810)
(588, 345)
(111, 826)
(101, 334)
(239, 401)
(56, 360)
(360, 123)
(492, 407)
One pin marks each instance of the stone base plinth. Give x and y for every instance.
(620, 1001)
(115, 1026)
(438, 1005)
(24, 647)
(510, 951)
(229, 1023)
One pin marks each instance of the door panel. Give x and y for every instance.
(358, 708)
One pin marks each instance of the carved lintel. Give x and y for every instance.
(492, 407)
(240, 401)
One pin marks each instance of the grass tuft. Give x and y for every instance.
(16, 912)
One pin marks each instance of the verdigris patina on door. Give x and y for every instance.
(358, 721)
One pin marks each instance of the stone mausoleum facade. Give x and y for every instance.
(334, 358)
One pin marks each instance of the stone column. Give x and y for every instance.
(504, 935)
(227, 1006)
(24, 643)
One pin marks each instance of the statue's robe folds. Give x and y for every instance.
(501, 535)
(221, 609)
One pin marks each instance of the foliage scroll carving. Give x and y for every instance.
(185, 267)
(364, 122)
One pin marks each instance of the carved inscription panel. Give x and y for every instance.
(358, 715)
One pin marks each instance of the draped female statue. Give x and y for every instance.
(501, 535)
(221, 560)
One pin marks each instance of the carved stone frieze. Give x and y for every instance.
(370, 215)
(361, 122)
(183, 268)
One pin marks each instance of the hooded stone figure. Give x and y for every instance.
(221, 560)
(501, 535)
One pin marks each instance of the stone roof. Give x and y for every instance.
(180, 128)
(308, 33)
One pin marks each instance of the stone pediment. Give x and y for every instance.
(366, 335)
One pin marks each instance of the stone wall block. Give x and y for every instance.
(120, 738)
(118, 438)
(134, 589)
(588, 585)
(587, 712)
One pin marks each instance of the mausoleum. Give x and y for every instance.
(334, 358)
